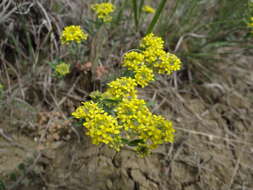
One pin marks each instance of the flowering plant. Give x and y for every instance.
(103, 11)
(117, 117)
(62, 69)
(73, 33)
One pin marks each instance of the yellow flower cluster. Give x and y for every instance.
(73, 34)
(159, 131)
(122, 87)
(152, 55)
(133, 113)
(117, 117)
(131, 120)
(168, 63)
(87, 110)
(136, 119)
(144, 75)
(102, 128)
(62, 69)
(148, 9)
(103, 11)
(250, 23)
(152, 41)
(133, 60)
(151, 59)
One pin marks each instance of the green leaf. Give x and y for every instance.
(2, 186)
(109, 110)
(13, 176)
(78, 123)
(135, 142)
(109, 100)
(156, 16)
(151, 103)
(135, 10)
(21, 166)
(140, 8)
(128, 73)
(124, 141)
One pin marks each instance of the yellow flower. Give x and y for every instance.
(148, 9)
(101, 127)
(168, 63)
(104, 128)
(122, 87)
(157, 131)
(73, 34)
(103, 11)
(153, 41)
(153, 48)
(143, 76)
(151, 55)
(133, 114)
(163, 130)
(250, 23)
(132, 60)
(151, 130)
(62, 69)
(87, 110)
(156, 58)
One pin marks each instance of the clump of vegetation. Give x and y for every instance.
(118, 117)
(62, 69)
(73, 34)
(103, 11)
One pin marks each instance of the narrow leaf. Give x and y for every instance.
(135, 9)
(156, 16)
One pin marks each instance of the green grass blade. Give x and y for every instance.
(2, 186)
(156, 16)
(135, 10)
(120, 13)
(140, 8)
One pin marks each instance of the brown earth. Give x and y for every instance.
(213, 148)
